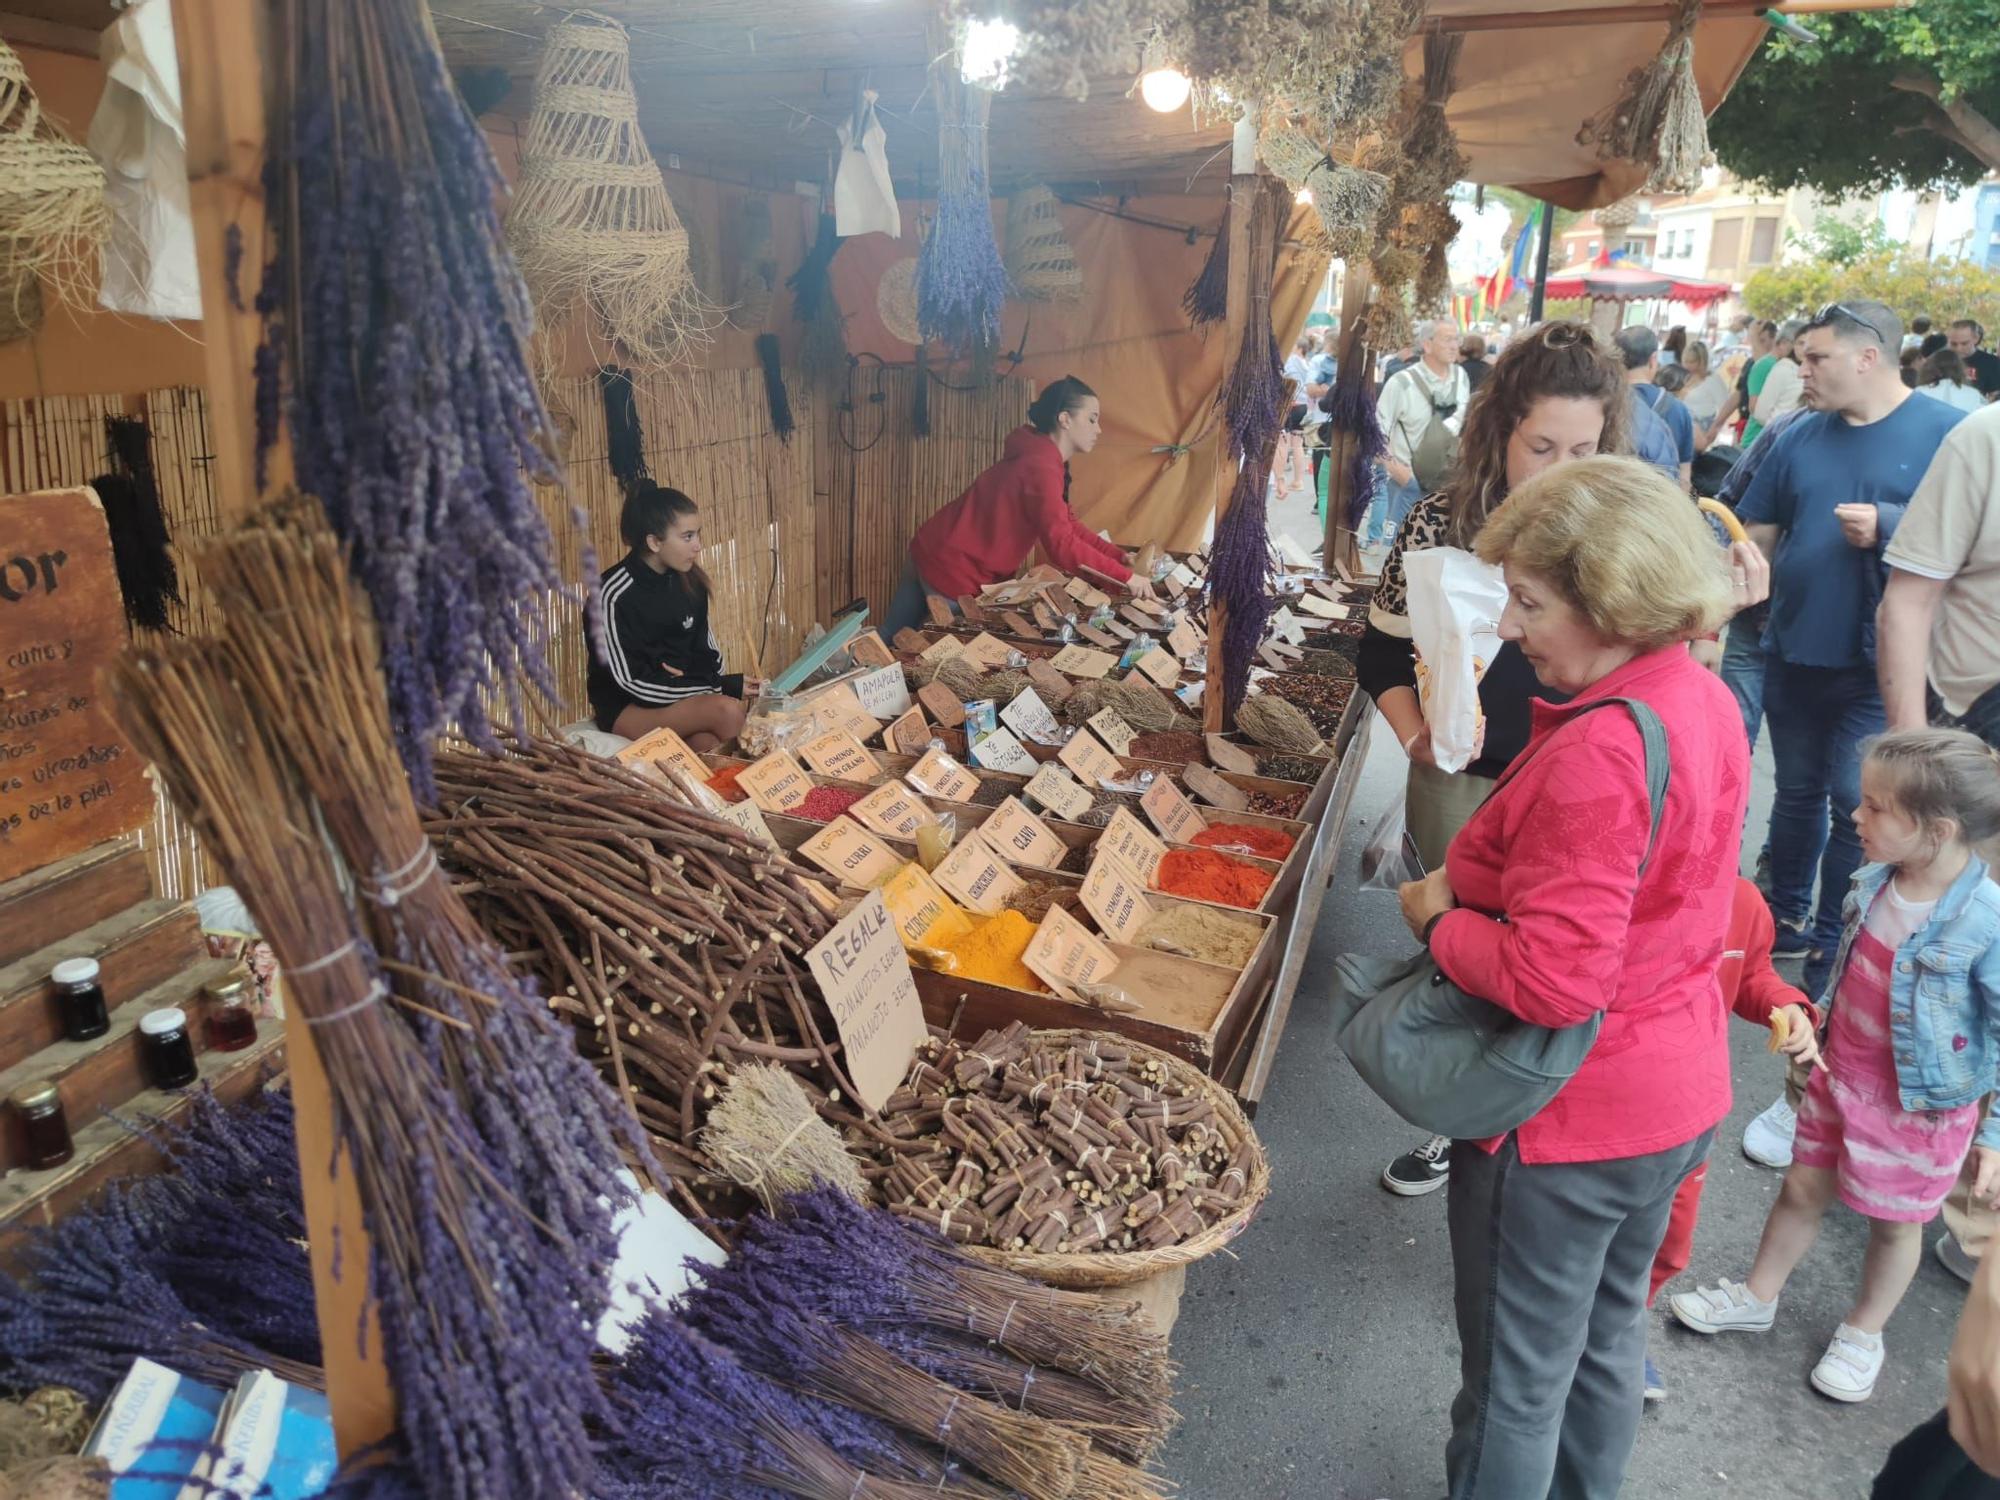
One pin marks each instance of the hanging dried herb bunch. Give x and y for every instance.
(395, 338)
(1344, 197)
(1067, 43)
(1658, 120)
(961, 281)
(1339, 62)
(1429, 162)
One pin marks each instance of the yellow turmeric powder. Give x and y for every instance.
(991, 952)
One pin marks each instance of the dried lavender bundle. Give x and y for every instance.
(396, 325)
(1352, 411)
(961, 276)
(488, 1325)
(689, 1420)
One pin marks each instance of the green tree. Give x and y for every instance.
(1884, 98)
(1906, 282)
(1842, 243)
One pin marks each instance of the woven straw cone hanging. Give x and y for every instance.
(21, 308)
(1620, 215)
(591, 222)
(53, 217)
(896, 301)
(1039, 259)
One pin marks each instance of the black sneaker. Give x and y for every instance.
(1762, 878)
(1791, 942)
(1421, 1171)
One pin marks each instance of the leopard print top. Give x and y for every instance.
(1425, 526)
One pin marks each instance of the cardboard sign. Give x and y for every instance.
(1172, 813)
(1001, 751)
(68, 779)
(1058, 791)
(1018, 835)
(1227, 757)
(1114, 895)
(861, 968)
(1286, 652)
(968, 606)
(1018, 624)
(987, 651)
(1081, 661)
(1085, 754)
(883, 693)
(1120, 631)
(939, 609)
(1063, 954)
(1132, 614)
(777, 783)
(849, 855)
(1190, 695)
(913, 641)
(1175, 587)
(1146, 604)
(1078, 590)
(977, 876)
(938, 775)
(1285, 625)
(1046, 618)
(892, 809)
(1268, 655)
(944, 648)
(941, 702)
(838, 753)
(921, 909)
(748, 817)
(662, 748)
(1213, 790)
(1162, 668)
(1127, 839)
(868, 651)
(1051, 684)
(1182, 640)
(1097, 637)
(1326, 588)
(1326, 609)
(1113, 730)
(909, 734)
(1030, 718)
(1181, 574)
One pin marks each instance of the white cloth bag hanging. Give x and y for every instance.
(149, 261)
(864, 200)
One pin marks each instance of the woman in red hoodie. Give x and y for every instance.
(1544, 909)
(987, 533)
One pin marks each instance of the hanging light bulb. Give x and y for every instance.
(1303, 195)
(1164, 89)
(988, 51)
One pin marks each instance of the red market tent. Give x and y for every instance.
(1632, 284)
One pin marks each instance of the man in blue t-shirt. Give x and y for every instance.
(1640, 348)
(1823, 508)
(1652, 440)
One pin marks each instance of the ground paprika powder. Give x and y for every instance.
(1204, 875)
(1250, 838)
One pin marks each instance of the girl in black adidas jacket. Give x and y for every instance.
(663, 669)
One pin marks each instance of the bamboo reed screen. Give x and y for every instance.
(780, 556)
(883, 482)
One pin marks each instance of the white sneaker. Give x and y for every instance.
(1767, 1140)
(1848, 1369)
(1726, 1307)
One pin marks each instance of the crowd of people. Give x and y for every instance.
(1860, 624)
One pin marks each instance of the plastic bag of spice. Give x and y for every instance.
(1390, 858)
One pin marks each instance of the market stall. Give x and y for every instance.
(926, 1012)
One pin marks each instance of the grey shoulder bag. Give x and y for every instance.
(1452, 1063)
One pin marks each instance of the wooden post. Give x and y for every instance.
(222, 46)
(1242, 197)
(1351, 375)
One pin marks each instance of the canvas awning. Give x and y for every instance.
(1632, 284)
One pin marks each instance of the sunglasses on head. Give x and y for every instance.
(1833, 310)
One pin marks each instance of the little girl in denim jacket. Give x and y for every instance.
(1912, 1048)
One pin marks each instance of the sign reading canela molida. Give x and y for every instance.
(865, 975)
(68, 780)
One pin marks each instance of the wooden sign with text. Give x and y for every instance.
(865, 976)
(68, 780)
(777, 783)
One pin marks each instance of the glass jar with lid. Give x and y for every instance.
(228, 1024)
(44, 1125)
(167, 1048)
(80, 998)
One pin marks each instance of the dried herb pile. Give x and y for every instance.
(1021, 1144)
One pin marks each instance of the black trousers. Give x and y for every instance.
(1929, 1465)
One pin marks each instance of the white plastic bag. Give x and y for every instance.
(1455, 603)
(1389, 859)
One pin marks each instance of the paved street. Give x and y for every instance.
(1319, 1362)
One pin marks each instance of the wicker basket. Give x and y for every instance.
(896, 301)
(1039, 259)
(1097, 1270)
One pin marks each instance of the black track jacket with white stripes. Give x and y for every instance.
(653, 622)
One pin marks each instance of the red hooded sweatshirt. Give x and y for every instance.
(986, 534)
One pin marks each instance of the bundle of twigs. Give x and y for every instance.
(395, 347)
(674, 940)
(1270, 720)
